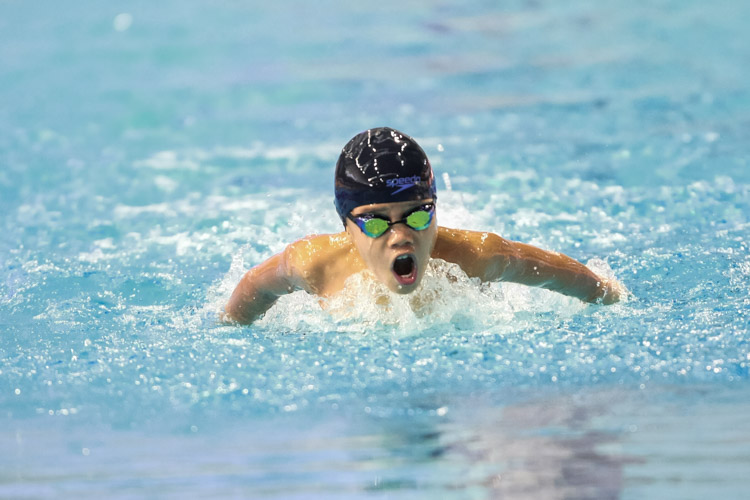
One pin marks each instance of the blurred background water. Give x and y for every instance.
(152, 152)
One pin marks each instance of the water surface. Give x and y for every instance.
(152, 153)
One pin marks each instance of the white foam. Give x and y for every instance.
(446, 297)
(171, 160)
(125, 211)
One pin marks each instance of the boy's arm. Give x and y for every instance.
(493, 258)
(258, 289)
(533, 266)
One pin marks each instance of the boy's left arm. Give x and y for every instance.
(533, 266)
(493, 258)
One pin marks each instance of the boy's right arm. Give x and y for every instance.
(259, 288)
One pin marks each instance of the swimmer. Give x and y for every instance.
(386, 198)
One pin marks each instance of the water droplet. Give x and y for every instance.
(122, 22)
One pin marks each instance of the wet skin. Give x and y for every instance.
(321, 264)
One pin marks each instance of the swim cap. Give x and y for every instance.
(381, 165)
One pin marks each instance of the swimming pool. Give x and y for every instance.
(152, 154)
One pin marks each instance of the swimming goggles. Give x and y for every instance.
(374, 226)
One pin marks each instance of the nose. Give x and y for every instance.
(400, 235)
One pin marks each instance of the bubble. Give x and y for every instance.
(122, 22)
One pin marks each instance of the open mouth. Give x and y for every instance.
(405, 269)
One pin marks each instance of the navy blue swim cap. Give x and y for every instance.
(381, 165)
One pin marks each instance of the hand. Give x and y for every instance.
(613, 291)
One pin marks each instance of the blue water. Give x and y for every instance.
(152, 152)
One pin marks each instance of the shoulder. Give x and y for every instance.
(307, 259)
(309, 248)
(480, 254)
(474, 242)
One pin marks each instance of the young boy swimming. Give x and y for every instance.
(385, 195)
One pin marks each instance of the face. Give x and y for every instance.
(399, 257)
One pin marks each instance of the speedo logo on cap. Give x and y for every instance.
(403, 183)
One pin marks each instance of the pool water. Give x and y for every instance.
(152, 153)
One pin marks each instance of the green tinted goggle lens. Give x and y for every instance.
(373, 227)
(419, 220)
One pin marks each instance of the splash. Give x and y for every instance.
(446, 298)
